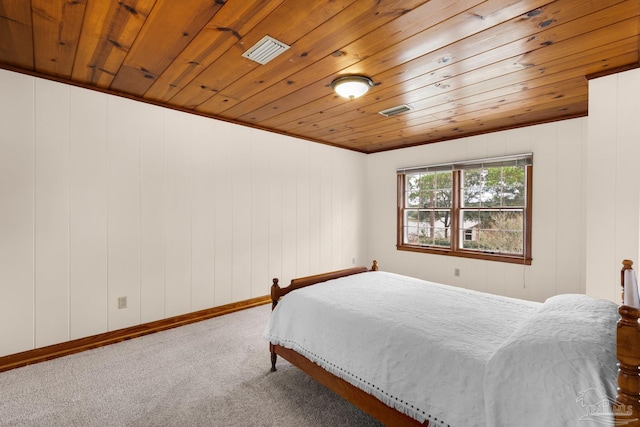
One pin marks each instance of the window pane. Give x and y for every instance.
(412, 200)
(512, 182)
(444, 179)
(410, 229)
(412, 191)
(513, 175)
(412, 183)
(514, 195)
(493, 231)
(423, 216)
(443, 199)
(470, 219)
(490, 197)
(472, 178)
(471, 197)
(486, 219)
(442, 237)
(428, 190)
(428, 199)
(512, 242)
(428, 227)
(513, 221)
(493, 187)
(472, 182)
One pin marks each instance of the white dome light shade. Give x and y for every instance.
(351, 86)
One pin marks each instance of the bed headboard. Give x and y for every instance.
(627, 410)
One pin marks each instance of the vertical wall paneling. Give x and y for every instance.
(303, 165)
(325, 210)
(177, 209)
(315, 230)
(613, 181)
(275, 209)
(353, 216)
(289, 215)
(51, 213)
(87, 213)
(152, 161)
(202, 213)
(349, 199)
(337, 185)
(478, 149)
(223, 229)
(496, 280)
(602, 153)
(16, 213)
(545, 215)
(260, 182)
(241, 207)
(123, 206)
(570, 194)
(627, 220)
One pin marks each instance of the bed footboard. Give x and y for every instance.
(627, 410)
(277, 292)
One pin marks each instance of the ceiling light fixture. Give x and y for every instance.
(351, 86)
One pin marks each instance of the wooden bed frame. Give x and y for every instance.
(626, 409)
(628, 351)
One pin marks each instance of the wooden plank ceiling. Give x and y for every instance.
(465, 67)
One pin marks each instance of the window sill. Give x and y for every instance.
(467, 254)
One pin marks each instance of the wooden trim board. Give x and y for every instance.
(42, 354)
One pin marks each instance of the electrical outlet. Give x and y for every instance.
(456, 272)
(122, 302)
(353, 261)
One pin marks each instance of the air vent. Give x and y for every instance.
(265, 50)
(395, 110)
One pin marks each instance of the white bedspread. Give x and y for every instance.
(420, 347)
(440, 353)
(565, 362)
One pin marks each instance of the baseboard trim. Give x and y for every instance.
(42, 354)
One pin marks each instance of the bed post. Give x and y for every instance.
(275, 296)
(627, 410)
(275, 293)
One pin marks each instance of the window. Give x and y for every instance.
(475, 209)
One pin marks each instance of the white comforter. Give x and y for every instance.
(563, 361)
(440, 353)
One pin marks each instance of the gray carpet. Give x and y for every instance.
(211, 373)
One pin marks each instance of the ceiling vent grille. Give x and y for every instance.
(265, 50)
(395, 110)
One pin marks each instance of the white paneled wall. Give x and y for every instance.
(613, 182)
(17, 207)
(88, 224)
(123, 211)
(558, 217)
(152, 214)
(102, 197)
(51, 271)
